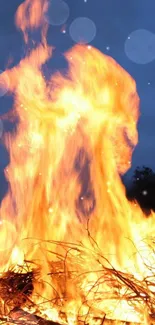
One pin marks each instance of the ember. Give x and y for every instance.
(78, 252)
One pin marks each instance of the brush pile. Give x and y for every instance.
(16, 291)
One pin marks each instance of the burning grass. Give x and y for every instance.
(110, 288)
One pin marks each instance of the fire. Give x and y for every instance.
(66, 208)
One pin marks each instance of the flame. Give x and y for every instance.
(66, 204)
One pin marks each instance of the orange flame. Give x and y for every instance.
(75, 137)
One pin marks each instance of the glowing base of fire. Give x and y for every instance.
(103, 294)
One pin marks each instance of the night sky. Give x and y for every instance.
(122, 29)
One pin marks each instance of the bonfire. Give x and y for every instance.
(73, 250)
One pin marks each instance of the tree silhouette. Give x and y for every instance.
(143, 188)
(142, 175)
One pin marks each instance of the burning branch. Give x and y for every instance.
(20, 317)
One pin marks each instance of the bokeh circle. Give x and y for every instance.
(57, 13)
(140, 46)
(82, 30)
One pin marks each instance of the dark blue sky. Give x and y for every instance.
(123, 29)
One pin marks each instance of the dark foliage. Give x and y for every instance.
(143, 188)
